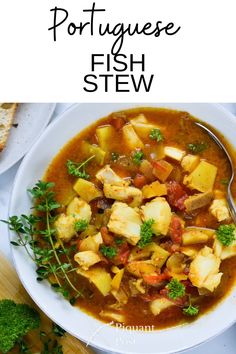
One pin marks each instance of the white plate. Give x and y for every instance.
(59, 310)
(32, 118)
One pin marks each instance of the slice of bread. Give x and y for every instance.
(7, 113)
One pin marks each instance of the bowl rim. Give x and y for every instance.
(13, 252)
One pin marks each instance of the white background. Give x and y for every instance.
(223, 344)
(197, 64)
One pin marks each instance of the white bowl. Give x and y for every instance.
(74, 321)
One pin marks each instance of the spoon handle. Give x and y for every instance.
(231, 203)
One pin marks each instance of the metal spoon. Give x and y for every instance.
(230, 200)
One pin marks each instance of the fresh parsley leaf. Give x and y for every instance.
(137, 157)
(119, 241)
(176, 289)
(225, 181)
(156, 134)
(108, 251)
(226, 234)
(57, 330)
(197, 148)
(146, 233)
(81, 225)
(191, 310)
(114, 156)
(77, 169)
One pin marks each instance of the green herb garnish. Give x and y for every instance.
(119, 241)
(137, 157)
(197, 148)
(191, 310)
(226, 234)
(16, 320)
(81, 225)
(77, 169)
(156, 134)
(176, 289)
(146, 233)
(114, 156)
(50, 261)
(224, 181)
(108, 251)
(57, 330)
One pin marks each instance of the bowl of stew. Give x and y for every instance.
(131, 246)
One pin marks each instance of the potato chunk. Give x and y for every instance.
(123, 194)
(114, 316)
(219, 209)
(99, 277)
(89, 150)
(87, 190)
(198, 201)
(157, 254)
(158, 305)
(162, 169)
(204, 270)
(79, 209)
(107, 175)
(116, 281)
(125, 221)
(202, 178)
(158, 210)
(190, 162)
(91, 243)
(105, 135)
(131, 139)
(174, 153)
(196, 235)
(142, 126)
(65, 227)
(86, 259)
(155, 189)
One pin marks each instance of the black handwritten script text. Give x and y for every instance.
(116, 61)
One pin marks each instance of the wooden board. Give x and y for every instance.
(11, 288)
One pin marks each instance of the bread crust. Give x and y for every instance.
(7, 114)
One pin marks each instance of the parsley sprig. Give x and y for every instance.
(146, 233)
(108, 251)
(191, 310)
(77, 169)
(226, 234)
(48, 258)
(176, 289)
(156, 134)
(137, 157)
(197, 148)
(81, 225)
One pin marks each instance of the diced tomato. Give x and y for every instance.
(190, 288)
(150, 297)
(174, 248)
(108, 239)
(176, 195)
(176, 230)
(118, 122)
(139, 181)
(78, 242)
(155, 278)
(123, 254)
